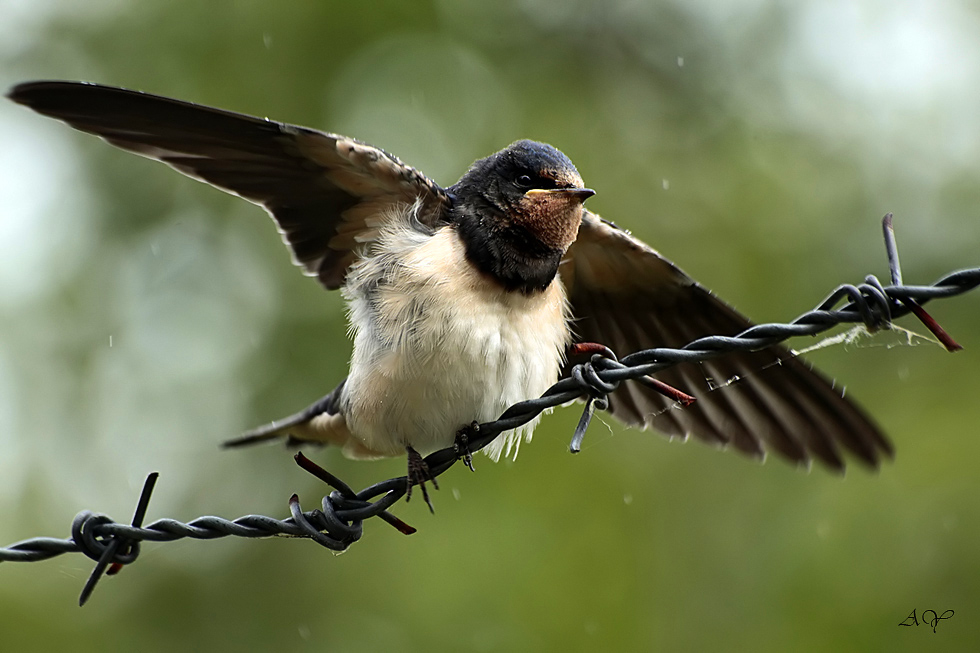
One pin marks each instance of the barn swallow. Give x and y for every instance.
(463, 300)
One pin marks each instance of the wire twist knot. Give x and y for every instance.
(88, 533)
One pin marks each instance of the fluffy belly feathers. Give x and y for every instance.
(437, 346)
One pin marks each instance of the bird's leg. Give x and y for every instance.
(418, 474)
(462, 444)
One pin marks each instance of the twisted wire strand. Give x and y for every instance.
(338, 523)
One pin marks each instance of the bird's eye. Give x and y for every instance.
(524, 181)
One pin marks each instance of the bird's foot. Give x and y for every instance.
(462, 444)
(418, 474)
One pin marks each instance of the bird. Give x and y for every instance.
(465, 300)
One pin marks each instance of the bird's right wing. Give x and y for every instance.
(327, 193)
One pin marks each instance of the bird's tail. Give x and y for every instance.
(273, 431)
(320, 423)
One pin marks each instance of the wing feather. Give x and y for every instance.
(627, 296)
(326, 192)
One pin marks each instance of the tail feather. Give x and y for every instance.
(294, 427)
(272, 431)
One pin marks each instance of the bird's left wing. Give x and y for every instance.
(625, 295)
(327, 193)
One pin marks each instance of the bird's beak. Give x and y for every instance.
(581, 194)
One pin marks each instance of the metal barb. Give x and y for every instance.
(129, 546)
(575, 445)
(891, 248)
(895, 268)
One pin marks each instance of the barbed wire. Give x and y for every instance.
(338, 523)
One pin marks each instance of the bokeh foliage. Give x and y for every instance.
(756, 143)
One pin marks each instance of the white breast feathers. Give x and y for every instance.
(438, 344)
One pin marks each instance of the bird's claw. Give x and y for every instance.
(418, 474)
(462, 444)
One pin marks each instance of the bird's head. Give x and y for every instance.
(528, 185)
(519, 210)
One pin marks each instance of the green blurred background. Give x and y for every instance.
(756, 143)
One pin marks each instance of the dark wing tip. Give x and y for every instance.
(20, 93)
(44, 95)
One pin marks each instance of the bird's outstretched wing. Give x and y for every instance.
(628, 297)
(327, 193)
